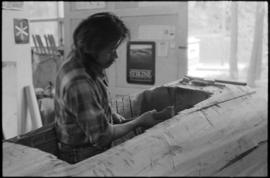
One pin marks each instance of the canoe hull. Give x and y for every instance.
(209, 136)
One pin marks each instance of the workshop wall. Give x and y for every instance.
(17, 54)
(164, 23)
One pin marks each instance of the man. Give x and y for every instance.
(84, 118)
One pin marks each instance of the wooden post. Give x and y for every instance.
(234, 40)
(254, 70)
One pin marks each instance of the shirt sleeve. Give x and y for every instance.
(83, 102)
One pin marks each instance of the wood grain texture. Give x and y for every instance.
(19, 160)
(254, 164)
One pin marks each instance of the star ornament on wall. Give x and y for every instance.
(21, 31)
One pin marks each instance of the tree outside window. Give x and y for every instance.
(210, 22)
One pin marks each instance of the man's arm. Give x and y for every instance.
(147, 119)
(92, 119)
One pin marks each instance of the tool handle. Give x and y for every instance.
(231, 82)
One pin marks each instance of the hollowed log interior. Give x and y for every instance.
(45, 138)
(181, 98)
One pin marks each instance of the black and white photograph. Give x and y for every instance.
(134, 88)
(141, 62)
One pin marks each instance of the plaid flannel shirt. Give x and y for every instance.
(82, 108)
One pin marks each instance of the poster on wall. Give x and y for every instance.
(9, 98)
(21, 31)
(141, 62)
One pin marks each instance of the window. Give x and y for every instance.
(46, 18)
(210, 37)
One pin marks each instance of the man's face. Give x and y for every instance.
(107, 56)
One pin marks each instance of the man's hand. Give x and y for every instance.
(164, 114)
(117, 118)
(151, 118)
(146, 120)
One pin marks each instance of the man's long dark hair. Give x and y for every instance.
(95, 33)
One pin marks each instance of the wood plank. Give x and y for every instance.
(33, 107)
(40, 44)
(52, 44)
(36, 44)
(48, 47)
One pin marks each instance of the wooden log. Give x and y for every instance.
(184, 145)
(254, 164)
(19, 160)
(201, 141)
(191, 141)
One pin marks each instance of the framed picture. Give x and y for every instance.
(141, 62)
(21, 31)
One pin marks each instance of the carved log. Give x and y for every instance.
(210, 138)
